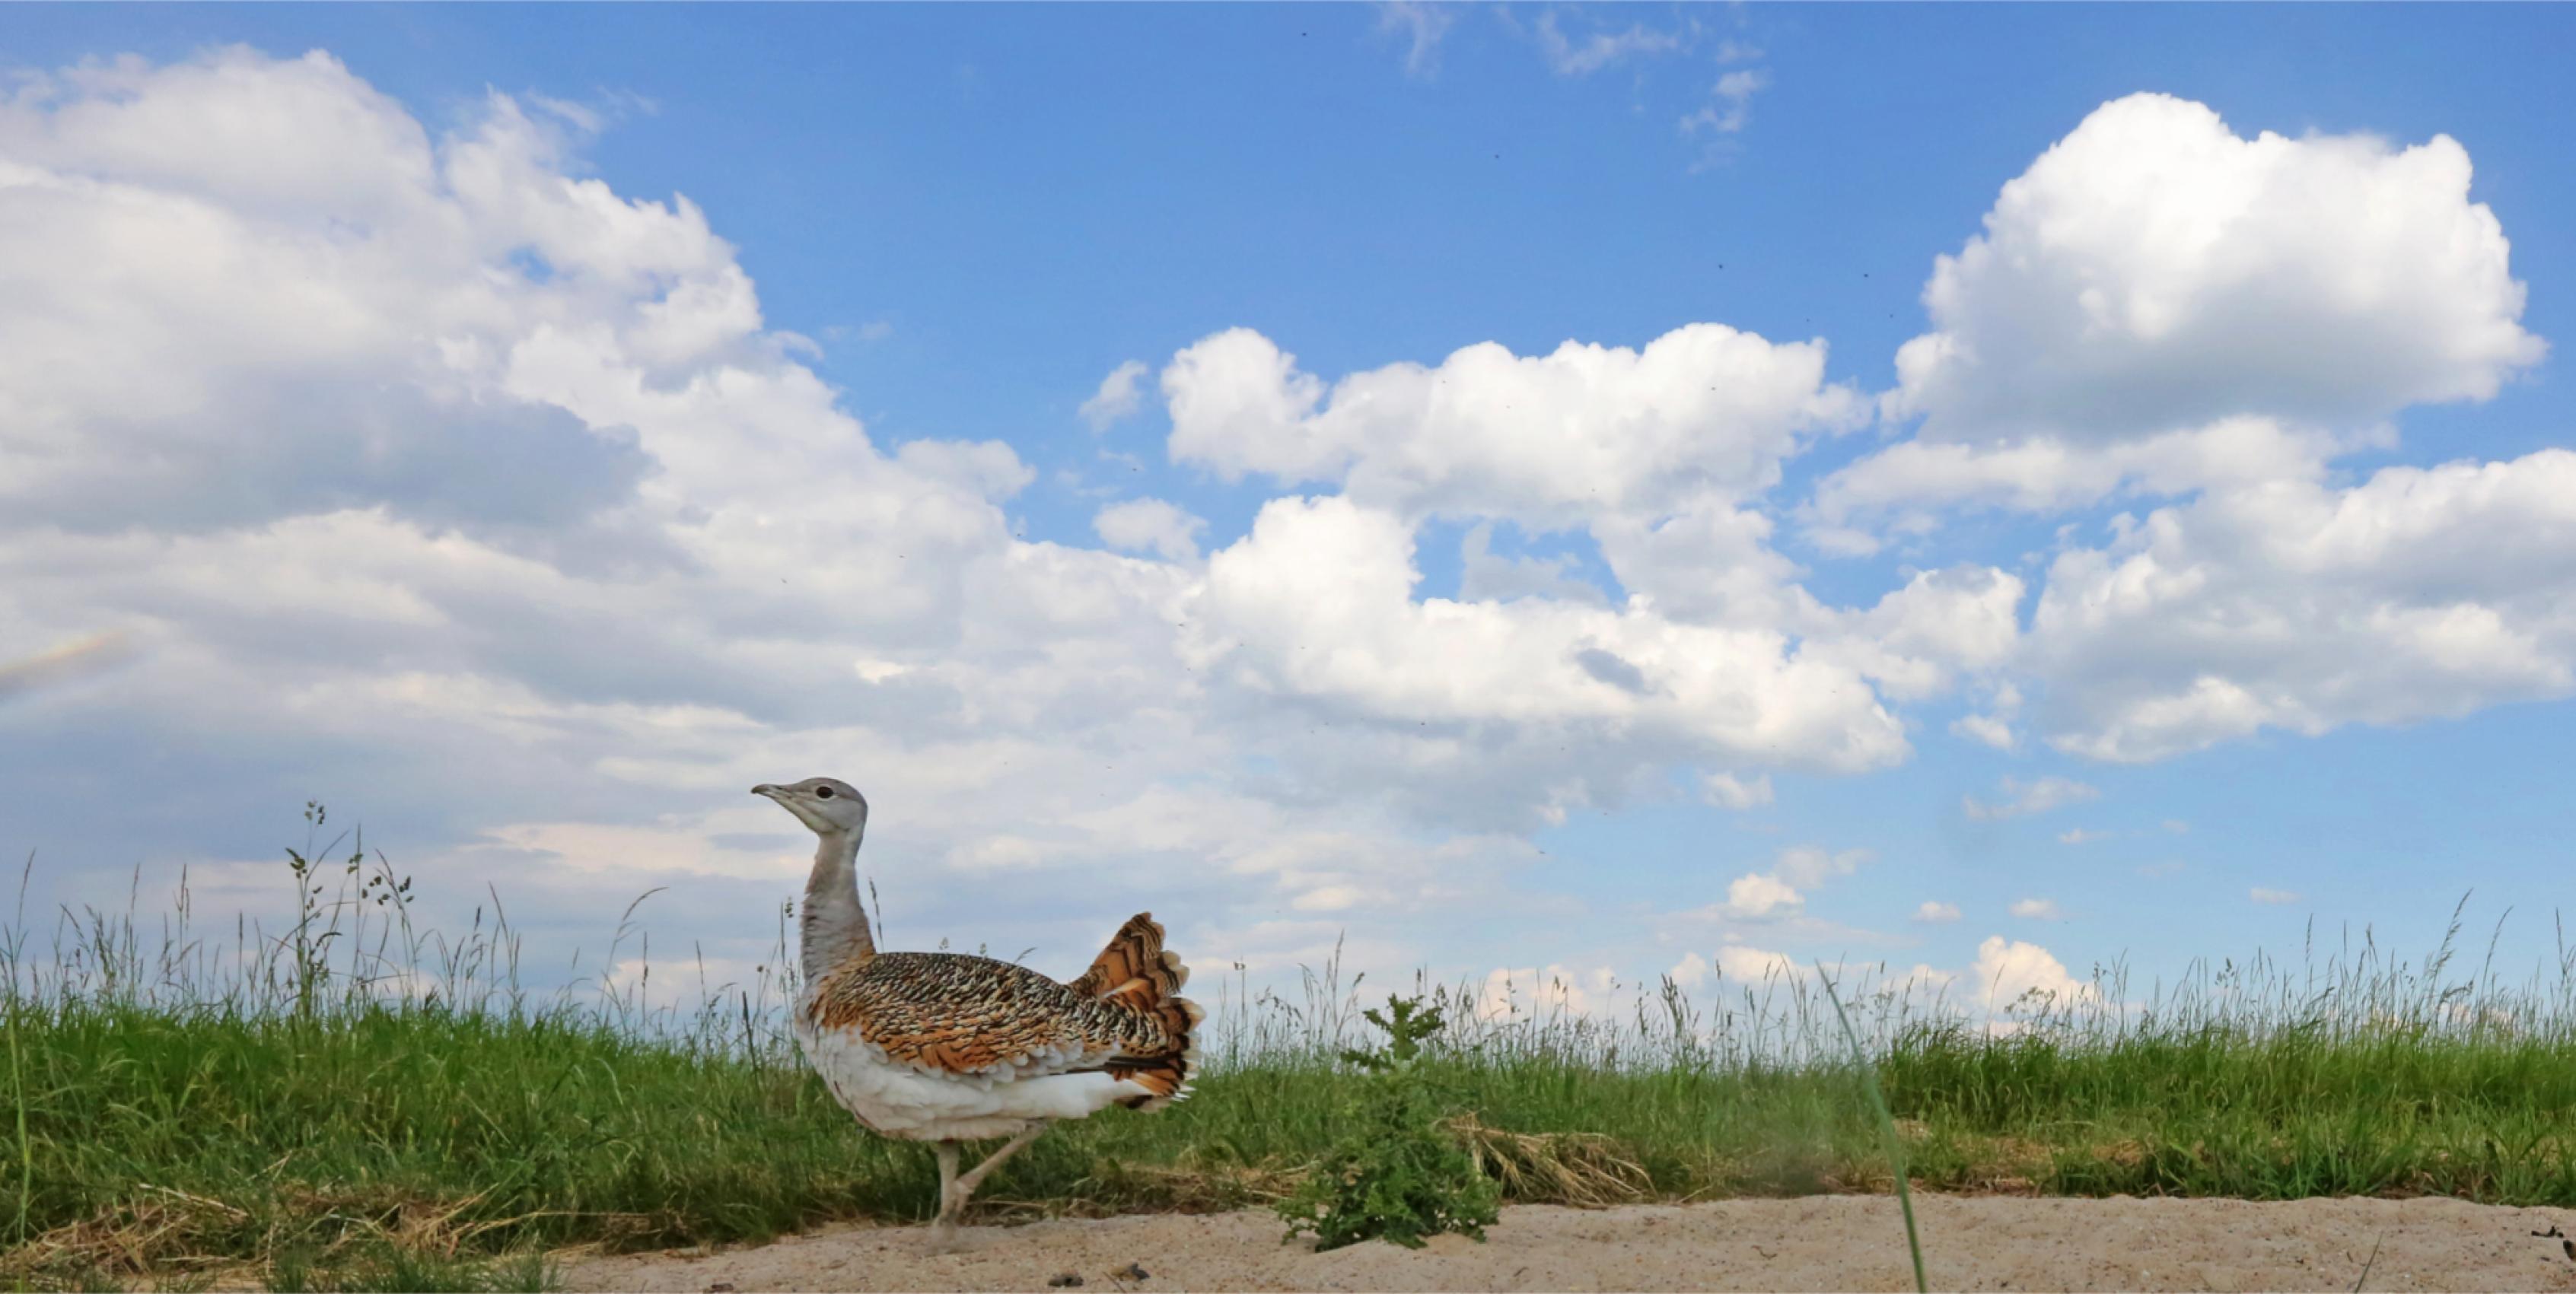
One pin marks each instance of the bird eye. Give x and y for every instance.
(822, 793)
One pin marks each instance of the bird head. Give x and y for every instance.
(826, 804)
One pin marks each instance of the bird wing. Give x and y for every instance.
(949, 1013)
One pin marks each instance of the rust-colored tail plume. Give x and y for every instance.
(1135, 972)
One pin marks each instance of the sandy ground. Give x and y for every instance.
(1823, 1243)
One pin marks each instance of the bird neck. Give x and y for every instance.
(833, 928)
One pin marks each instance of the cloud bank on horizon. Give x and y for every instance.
(431, 451)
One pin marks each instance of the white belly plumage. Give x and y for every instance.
(911, 1103)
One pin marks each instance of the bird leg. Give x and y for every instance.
(951, 1200)
(966, 1185)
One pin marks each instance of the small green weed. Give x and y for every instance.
(1395, 1172)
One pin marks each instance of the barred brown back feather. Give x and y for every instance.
(964, 1014)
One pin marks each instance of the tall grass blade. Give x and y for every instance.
(1886, 1125)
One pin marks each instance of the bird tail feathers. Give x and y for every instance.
(1136, 972)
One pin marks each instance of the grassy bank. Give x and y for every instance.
(308, 1117)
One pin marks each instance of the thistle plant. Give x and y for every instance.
(1396, 1173)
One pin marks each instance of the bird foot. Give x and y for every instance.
(946, 1237)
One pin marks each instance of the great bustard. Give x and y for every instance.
(946, 1047)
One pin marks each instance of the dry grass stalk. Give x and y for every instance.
(1576, 1168)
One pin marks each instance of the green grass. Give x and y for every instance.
(407, 1118)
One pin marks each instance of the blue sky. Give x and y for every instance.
(962, 219)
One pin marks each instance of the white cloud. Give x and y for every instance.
(1994, 728)
(2042, 474)
(1934, 912)
(2155, 271)
(2008, 980)
(2021, 799)
(1690, 972)
(1118, 398)
(1486, 576)
(1423, 24)
(2261, 895)
(1703, 411)
(2037, 910)
(1729, 791)
(1531, 992)
(2159, 303)
(2008, 972)
(1756, 895)
(1599, 49)
(433, 433)
(2419, 593)
(1809, 866)
(349, 429)
(1985, 728)
(2177, 826)
(1754, 965)
(1919, 638)
(1150, 525)
(1316, 602)
(1651, 452)
(2081, 836)
(1732, 106)
(1780, 892)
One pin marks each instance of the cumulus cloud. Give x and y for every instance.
(1781, 891)
(1704, 411)
(1532, 992)
(2162, 302)
(1690, 972)
(2037, 910)
(430, 433)
(1918, 639)
(1934, 912)
(1715, 657)
(352, 429)
(1756, 895)
(2081, 836)
(349, 427)
(2154, 270)
(1754, 965)
(2418, 593)
(1985, 729)
(1118, 398)
(2010, 974)
(1317, 602)
(2263, 895)
(1150, 525)
(2021, 799)
(1729, 791)
(2042, 475)
(1995, 727)
(1487, 576)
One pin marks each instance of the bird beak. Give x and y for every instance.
(766, 789)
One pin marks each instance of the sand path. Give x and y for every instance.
(1821, 1243)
